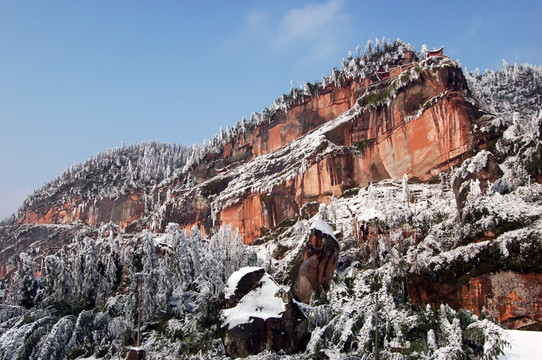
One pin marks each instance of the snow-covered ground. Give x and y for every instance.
(524, 345)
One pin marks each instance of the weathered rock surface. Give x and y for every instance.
(122, 211)
(259, 315)
(319, 262)
(513, 298)
(417, 122)
(424, 129)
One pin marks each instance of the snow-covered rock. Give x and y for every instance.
(260, 315)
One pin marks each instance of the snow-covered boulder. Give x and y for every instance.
(241, 283)
(260, 315)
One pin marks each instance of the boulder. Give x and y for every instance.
(260, 315)
(241, 283)
(136, 354)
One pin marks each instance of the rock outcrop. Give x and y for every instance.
(479, 171)
(319, 262)
(416, 122)
(122, 210)
(513, 298)
(259, 315)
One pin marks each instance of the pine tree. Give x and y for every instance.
(57, 280)
(197, 253)
(111, 262)
(91, 276)
(29, 285)
(150, 276)
(181, 262)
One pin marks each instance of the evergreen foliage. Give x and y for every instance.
(85, 300)
(88, 307)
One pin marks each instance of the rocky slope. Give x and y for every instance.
(416, 123)
(399, 194)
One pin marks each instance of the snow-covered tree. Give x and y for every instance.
(196, 253)
(112, 264)
(28, 282)
(150, 276)
(180, 259)
(57, 281)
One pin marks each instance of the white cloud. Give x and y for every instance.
(316, 27)
(310, 23)
(256, 19)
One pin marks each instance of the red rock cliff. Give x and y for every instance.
(416, 122)
(513, 298)
(422, 130)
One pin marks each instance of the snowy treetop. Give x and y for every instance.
(380, 57)
(112, 172)
(513, 89)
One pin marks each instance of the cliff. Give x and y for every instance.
(400, 188)
(416, 123)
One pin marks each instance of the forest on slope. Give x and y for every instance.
(71, 290)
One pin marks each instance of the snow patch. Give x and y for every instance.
(234, 279)
(263, 302)
(323, 227)
(524, 345)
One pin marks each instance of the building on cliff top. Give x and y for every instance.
(435, 52)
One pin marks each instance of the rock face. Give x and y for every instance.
(319, 262)
(513, 298)
(481, 170)
(416, 122)
(258, 315)
(122, 211)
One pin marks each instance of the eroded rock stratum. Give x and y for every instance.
(428, 185)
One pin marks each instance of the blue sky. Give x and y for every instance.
(81, 77)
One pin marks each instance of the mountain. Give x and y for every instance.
(400, 194)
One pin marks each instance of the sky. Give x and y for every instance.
(80, 77)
